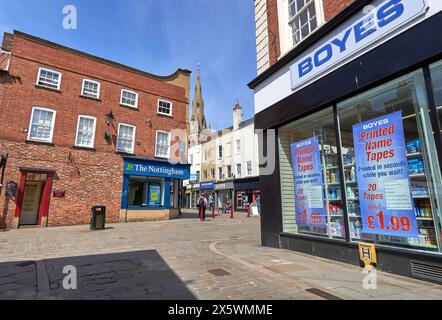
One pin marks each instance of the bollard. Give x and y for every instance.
(201, 213)
(248, 211)
(213, 212)
(231, 211)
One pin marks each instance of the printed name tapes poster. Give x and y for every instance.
(387, 206)
(309, 183)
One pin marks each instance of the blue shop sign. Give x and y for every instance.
(207, 186)
(152, 168)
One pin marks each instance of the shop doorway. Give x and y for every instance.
(31, 203)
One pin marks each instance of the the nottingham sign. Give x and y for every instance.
(156, 169)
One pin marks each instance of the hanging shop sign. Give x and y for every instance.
(207, 185)
(374, 24)
(387, 206)
(309, 183)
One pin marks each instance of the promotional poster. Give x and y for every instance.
(383, 178)
(309, 184)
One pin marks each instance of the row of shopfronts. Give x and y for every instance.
(239, 193)
(359, 140)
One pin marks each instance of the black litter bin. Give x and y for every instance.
(98, 218)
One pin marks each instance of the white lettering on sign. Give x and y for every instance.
(158, 170)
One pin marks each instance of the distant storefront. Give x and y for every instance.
(152, 189)
(223, 194)
(246, 192)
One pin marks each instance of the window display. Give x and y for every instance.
(145, 192)
(311, 179)
(390, 175)
(382, 169)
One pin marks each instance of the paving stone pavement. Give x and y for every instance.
(180, 259)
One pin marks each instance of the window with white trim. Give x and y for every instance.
(49, 78)
(302, 19)
(41, 126)
(162, 149)
(249, 168)
(229, 171)
(85, 131)
(90, 89)
(126, 138)
(238, 146)
(205, 156)
(129, 98)
(238, 170)
(220, 173)
(164, 107)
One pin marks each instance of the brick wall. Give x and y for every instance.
(88, 177)
(333, 7)
(272, 18)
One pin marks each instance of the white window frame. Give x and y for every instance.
(93, 135)
(162, 113)
(239, 166)
(51, 134)
(251, 168)
(285, 30)
(205, 156)
(156, 145)
(98, 88)
(238, 146)
(126, 104)
(132, 151)
(60, 75)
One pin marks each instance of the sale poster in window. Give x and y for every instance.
(155, 195)
(387, 206)
(309, 183)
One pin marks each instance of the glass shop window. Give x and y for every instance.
(390, 167)
(310, 177)
(144, 192)
(137, 192)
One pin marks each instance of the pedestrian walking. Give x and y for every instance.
(258, 203)
(202, 204)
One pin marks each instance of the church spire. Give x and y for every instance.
(198, 124)
(198, 103)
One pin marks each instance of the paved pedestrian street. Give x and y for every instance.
(180, 259)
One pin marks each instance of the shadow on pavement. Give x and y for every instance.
(140, 275)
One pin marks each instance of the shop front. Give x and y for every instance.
(223, 195)
(358, 135)
(207, 189)
(152, 189)
(246, 192)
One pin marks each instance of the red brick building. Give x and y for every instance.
(73, 124)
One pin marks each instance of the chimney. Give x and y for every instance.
(237, 116)
(8, 40)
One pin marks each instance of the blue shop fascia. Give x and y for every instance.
(152, 189)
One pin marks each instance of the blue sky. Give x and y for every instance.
(158, 36)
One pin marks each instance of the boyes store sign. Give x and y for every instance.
(359, 35)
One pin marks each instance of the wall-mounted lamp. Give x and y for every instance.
(110, 118)
(149, 123)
